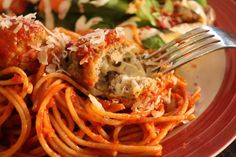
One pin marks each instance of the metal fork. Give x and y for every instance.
(189, 46)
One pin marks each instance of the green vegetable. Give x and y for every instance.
(120, 5)
(169, 6)
(104, 24)
(153, 43)
(202, 3)
(142, 23)
(111, 14)
(147, 10)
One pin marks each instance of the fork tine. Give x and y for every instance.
(197, 53)
(177, 40)
(181, 46)
(194, 47)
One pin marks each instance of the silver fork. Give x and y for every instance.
(191, 45)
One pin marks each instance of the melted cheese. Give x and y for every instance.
(117, 56)
(128, 86)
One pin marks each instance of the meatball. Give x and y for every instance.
(102, 58)
(102, 53)
(21, 40)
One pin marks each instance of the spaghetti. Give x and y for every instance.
(68, 122)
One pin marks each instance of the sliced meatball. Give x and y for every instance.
(107, 64)
(101, 55)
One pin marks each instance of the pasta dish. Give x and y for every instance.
(85, 93)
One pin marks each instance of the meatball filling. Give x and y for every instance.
(119, 62)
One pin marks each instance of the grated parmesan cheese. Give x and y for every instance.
(51, 68)
(26, 28)
(157, 114)
(43, 56)
(31, 16)
(56, 40)
(119, 32)
(96, 103)
(167, 98)
(18, 27)
(36, 47)
(5, 24)
(7, 21)
(95, 38)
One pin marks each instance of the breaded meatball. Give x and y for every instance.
(22, 38)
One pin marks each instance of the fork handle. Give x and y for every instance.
(230, 40)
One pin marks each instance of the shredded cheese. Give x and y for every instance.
(5, 24)
(167, 98)
(95, 38)
(119, 32)
(96, 103)
(43, 56)
(51, 68)
(7, 21)
(157, 114)
(18, 27)
(54, 40)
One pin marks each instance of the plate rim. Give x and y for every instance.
(221, 140)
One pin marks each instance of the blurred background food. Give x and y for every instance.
(158, 21)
